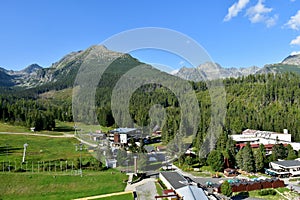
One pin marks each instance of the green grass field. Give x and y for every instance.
(45, 186)
(5, 127)
(39, 148)
(119, 197)
(285, 191)
(52, 184)
(60, 128)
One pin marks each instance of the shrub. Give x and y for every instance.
(226, 189)
(267, 192)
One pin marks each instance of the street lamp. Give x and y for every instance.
(24, 152)
(80, 149)
(75, 127)
(6, 152)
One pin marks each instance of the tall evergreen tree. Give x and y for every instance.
(291, 153)
(248, 159)
(229, 153)
(279, 152)
(259, 160)
(239, 159)
(216, 160)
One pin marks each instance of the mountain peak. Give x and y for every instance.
(292, 60)
(31, 68)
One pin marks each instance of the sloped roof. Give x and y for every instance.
(123, 130)
(288, 163)
(191, 192)
(175, 179)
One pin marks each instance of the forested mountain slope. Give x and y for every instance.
(262, 101)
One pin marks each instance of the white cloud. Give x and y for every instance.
(271, 21)
(259, 13)
(295, 53)
(294, 22)
(235, 9)
(181, 63)
(295, 41)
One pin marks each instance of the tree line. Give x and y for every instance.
(263, 102)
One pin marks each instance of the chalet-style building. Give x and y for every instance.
(284, 168)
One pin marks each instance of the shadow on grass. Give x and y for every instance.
(64, 129)
(8, 150)
(241, 196)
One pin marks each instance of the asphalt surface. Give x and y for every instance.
(146, 191)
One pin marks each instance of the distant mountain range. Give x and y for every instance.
(210, 71)
(63, 72)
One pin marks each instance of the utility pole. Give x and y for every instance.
(24, 152)
(80, 149)
(75, 127)
(7, 157)
(6, 152)
(135, 164)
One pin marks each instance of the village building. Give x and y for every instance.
(97, 136)
(111, 163)
(181, 187)
(121, 136)
(284, 168)
(267, 138)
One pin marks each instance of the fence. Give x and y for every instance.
(45, 166)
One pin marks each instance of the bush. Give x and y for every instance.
(267, 192)
(226, 189)
(162, 184)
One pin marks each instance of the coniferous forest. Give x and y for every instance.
(263, 102)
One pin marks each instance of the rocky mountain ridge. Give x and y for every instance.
(65, 70)
(211, 71)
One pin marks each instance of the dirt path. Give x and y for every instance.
(104, 195)
(65, 135)
(38, 134)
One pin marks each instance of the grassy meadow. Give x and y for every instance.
(39, 148)
(45, 186)
(51, 184)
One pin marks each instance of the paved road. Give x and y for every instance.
(146, 191)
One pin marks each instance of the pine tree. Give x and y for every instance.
(259, 160)
(248, 159)
(279, 152)
(216, 160)
(262, 149)
(229, 153)
(239, 159)
(291, 153)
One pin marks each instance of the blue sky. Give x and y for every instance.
(235, 33)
